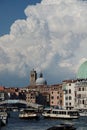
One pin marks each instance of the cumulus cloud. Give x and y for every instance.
(53, 37)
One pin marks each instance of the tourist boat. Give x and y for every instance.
(28, 113)
(60, 113)
(62, 127)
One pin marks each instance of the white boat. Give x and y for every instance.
(60, 113)
(28, 113)
(3, 118)
(83, 113)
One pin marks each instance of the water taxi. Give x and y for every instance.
(28, 113)
(60, 113)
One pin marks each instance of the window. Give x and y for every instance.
(69, 90)
(66, 98)
(52, 102)
(79, 95)
(60, 94)
(82, 89)
(66, 91)
(70, 97)
(70, 103)
(52, 97)
(83, 102)
(79, 89)
(66, 104)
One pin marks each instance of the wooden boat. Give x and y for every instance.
(28, 113)
(60, 113)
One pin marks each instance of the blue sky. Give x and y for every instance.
(10, 10)
(48, 35)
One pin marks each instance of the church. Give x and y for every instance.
(34, 80)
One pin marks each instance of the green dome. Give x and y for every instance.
(82, 71)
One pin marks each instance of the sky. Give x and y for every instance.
(49, 36)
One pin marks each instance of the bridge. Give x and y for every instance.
(33, 105)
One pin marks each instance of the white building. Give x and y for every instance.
(81, 94)
(69, 93)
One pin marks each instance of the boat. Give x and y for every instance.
(60, 113)
(83, 112)
(62, 127)
(28, 113)
(3, 118)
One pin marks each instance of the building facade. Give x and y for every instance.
(69, 93)
(81, 94)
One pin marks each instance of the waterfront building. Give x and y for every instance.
(81, 87)
(43, 99)
(31, 96)
(81, 94)
(56, 96)
(69, 93)
(41, 93)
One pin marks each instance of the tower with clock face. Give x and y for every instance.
(33, 77)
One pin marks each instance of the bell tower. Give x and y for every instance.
(33, 77)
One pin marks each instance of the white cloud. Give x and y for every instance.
(53, 36)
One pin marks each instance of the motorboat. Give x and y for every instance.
(28, 113)
(60, 113)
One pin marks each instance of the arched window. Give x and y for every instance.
(70, 98)
(82, 101)
(69, 90)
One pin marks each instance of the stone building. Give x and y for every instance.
(56, 96)
(33, 77)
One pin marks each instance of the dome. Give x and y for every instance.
(41, 81)
(82, 71)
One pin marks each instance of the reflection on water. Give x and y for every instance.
(14, 123)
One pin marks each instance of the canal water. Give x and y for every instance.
(14, 123)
